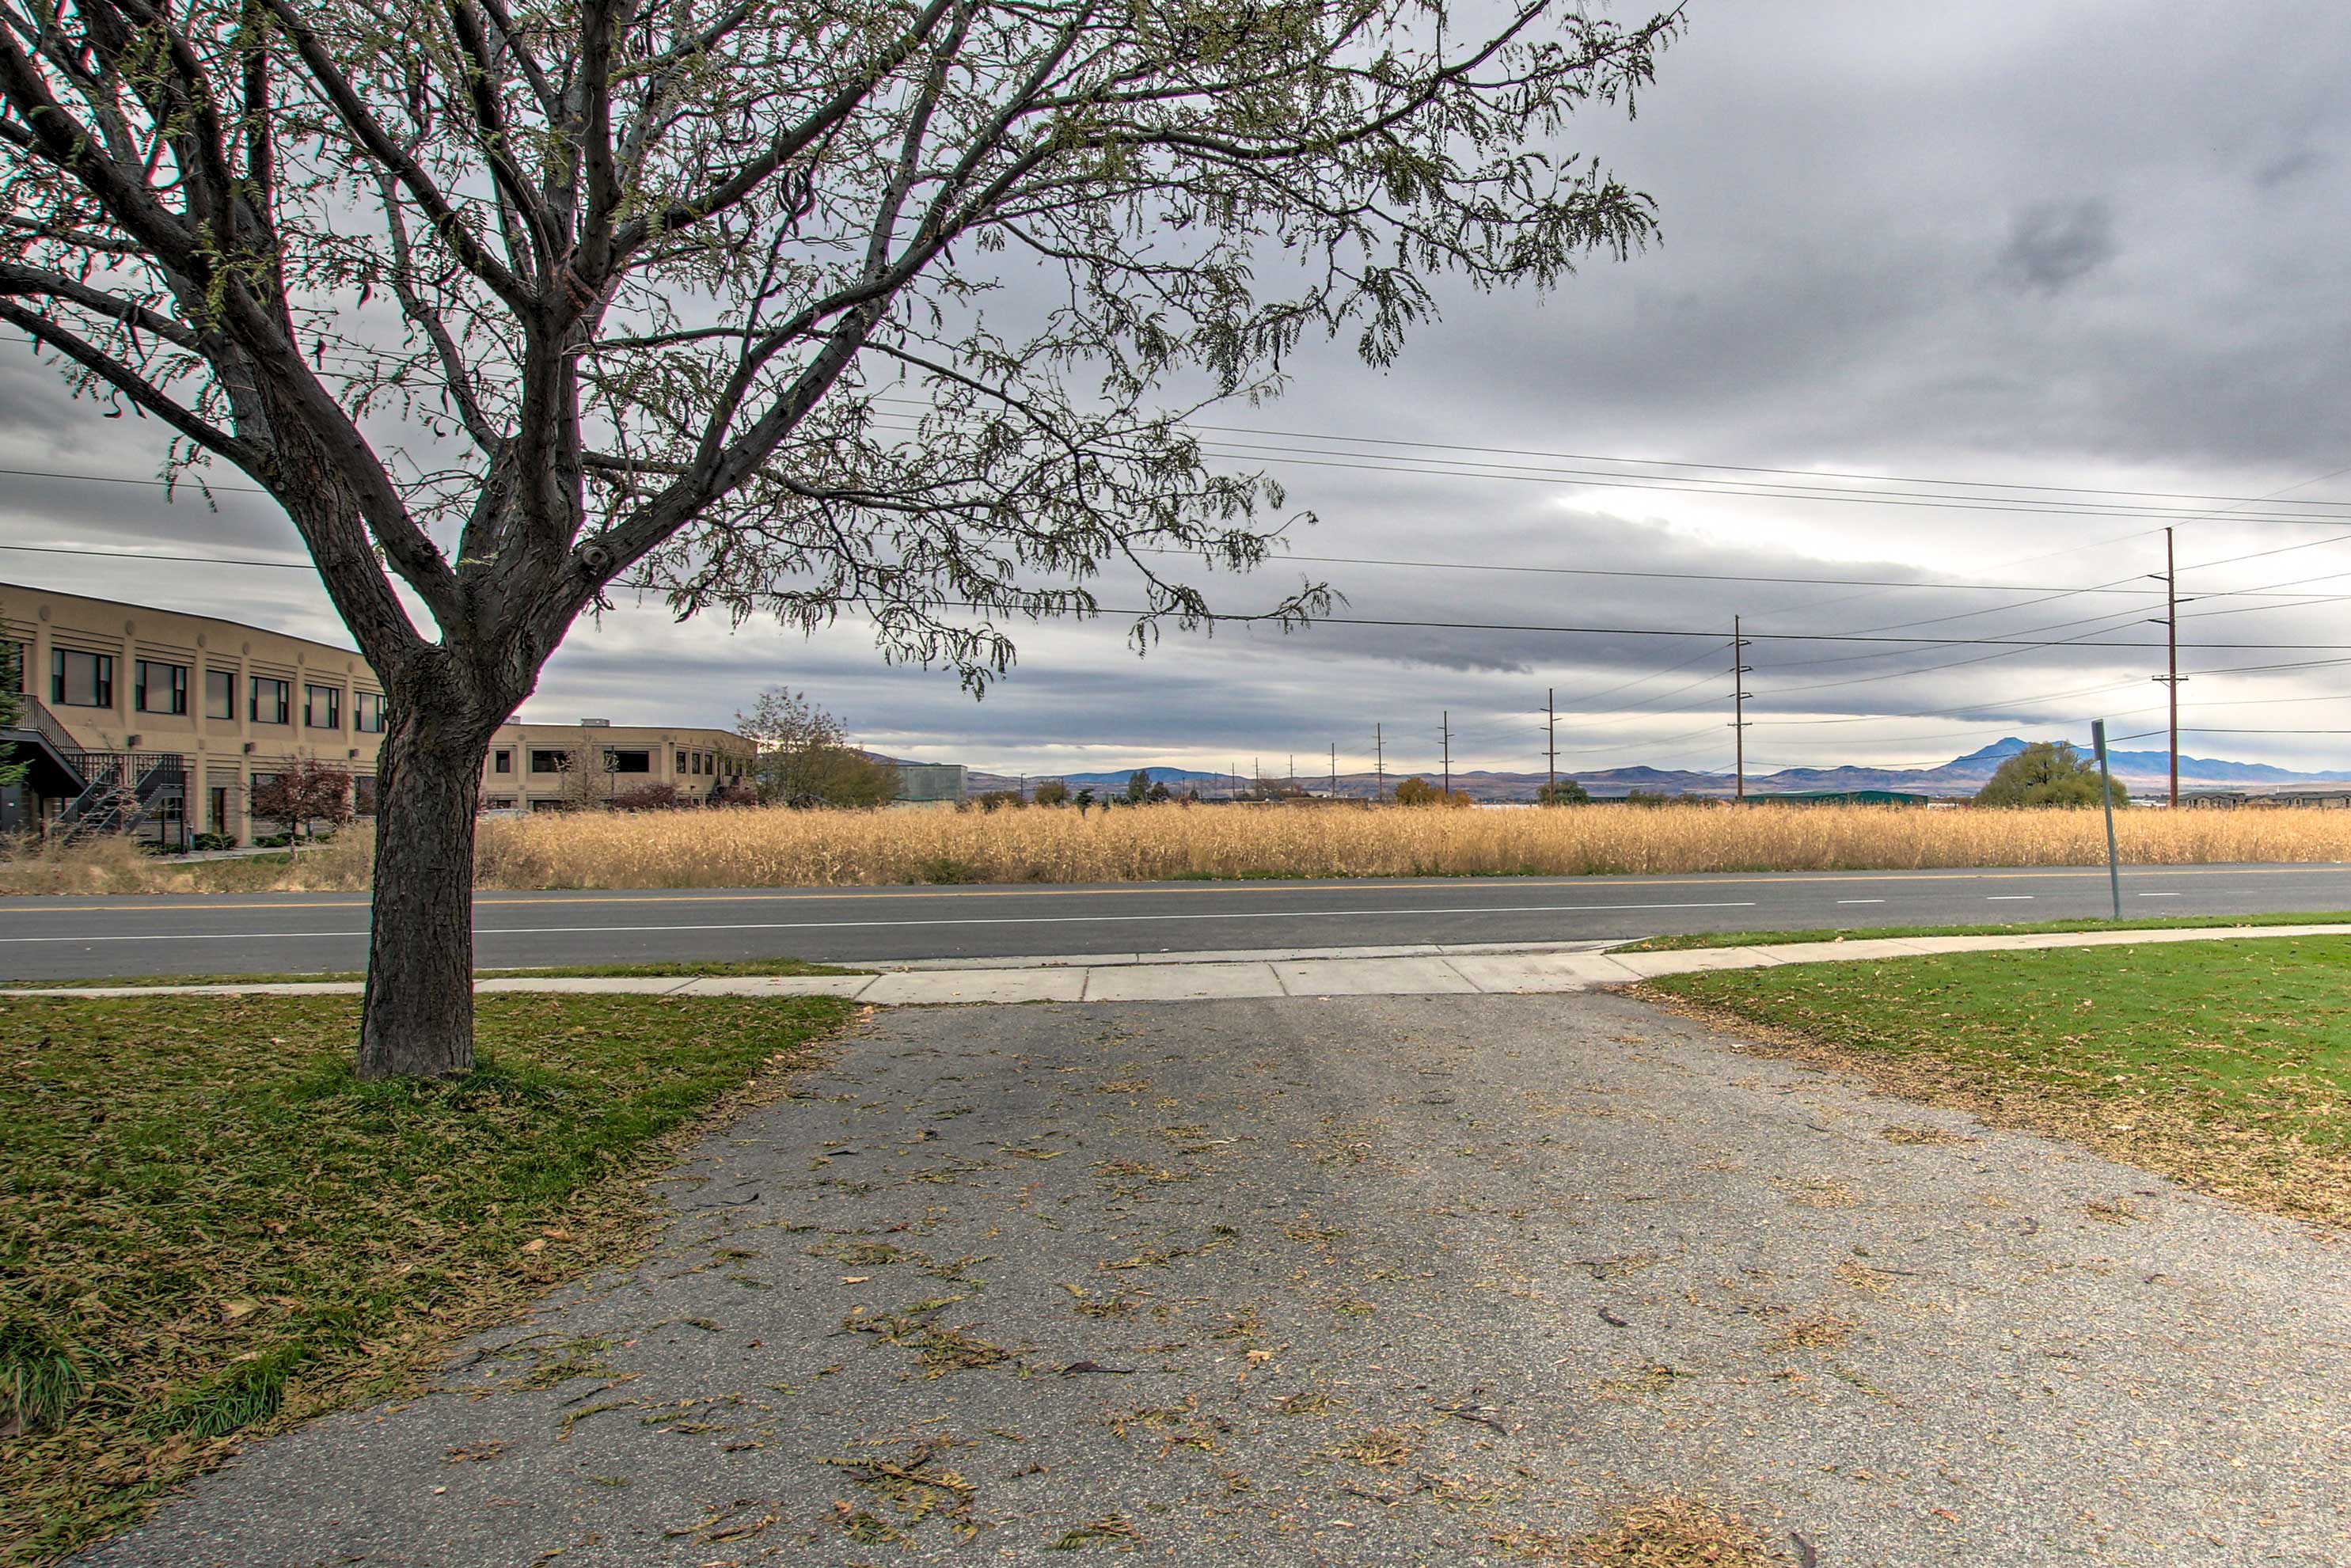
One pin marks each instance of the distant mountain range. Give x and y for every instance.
(1962, 776)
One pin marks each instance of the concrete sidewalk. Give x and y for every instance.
(1427, 970)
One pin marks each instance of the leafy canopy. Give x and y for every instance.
(766, 305)
(2047, 773)
(805, 759)
(1419, 791)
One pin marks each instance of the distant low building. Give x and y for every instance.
(1848, 797)
(2338, 797)
(558, 767)
(930, 784)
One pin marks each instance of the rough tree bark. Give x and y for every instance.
(417, 1017)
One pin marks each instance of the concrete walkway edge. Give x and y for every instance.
(1425, 970)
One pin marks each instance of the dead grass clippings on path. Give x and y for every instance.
(1671, 1530)
(2297, 1180)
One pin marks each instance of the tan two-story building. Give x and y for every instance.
(164, 723)
(593, 763)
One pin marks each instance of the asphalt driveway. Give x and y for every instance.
(1355, 1280)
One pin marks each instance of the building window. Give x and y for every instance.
(682, 760)
(550, 762)
(363, 794)
(367, 712)
(159, 689)
(499, 803)
(261, 781)
(81, 680)
(216, 811)
(502, 761)
(322, 707)
(12, 667)
(628, 761)
(273, 701)
(220, 693)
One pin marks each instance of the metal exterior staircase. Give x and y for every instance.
(144, 793)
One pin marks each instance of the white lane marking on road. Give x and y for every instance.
(2158, 895)
(1861, 901)
(2008, 898)
(860, 925)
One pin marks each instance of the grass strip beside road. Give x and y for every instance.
(2223, 1065)
(2011, 928)
(209, 1229)
(679, 969)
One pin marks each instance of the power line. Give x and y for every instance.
(1407, 623)
(1742, 577)
(143, 555)
(1586, 480)
(1794, 473)
(1371, 462)
(1807, 474)
(121, 479)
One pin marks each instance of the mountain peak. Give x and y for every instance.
(2007, 745)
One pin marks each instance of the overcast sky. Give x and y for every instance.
(2065, 243)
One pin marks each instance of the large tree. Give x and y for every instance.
(805, 759)
(2050, 773)
(766, 306)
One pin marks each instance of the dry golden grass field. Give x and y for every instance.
(760, 847)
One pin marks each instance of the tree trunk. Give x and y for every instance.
(418, 1017)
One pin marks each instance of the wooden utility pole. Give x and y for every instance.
(1551, 729)
(1444, 733)
(1334, 770)
(1739, 672)
(2170, 678)
(1379, 765)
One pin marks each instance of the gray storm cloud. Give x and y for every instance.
(2067, 244)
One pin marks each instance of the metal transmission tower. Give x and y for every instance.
(2171, 678)
(1739, 696)
(1334, 770)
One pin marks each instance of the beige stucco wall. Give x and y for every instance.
(223, 753)
(713, 758)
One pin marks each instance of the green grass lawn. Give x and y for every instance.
(209, 1229)
(2013, 929)
(2225, 1065)
(680, 969)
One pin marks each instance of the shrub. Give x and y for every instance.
(309, 792)
(1419, 791)
(647, 798)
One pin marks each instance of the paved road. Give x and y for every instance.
(1314, 1284)
(86, 938)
